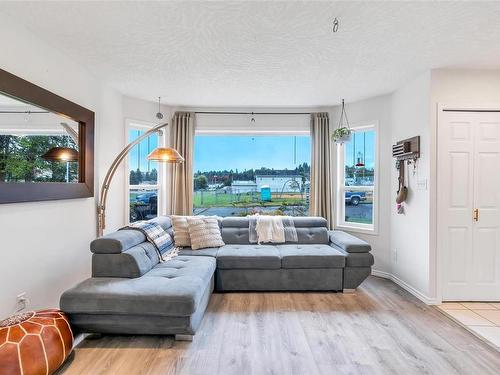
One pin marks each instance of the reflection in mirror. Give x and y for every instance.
(36, 145)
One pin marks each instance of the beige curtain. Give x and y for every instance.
(321, 175)
(180, 200)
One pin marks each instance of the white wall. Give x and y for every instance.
(410, 257)
(405, 248)
(376, 109)
(141, 110)
(473, 88)
(45, 244)
(110, 140)
(263, 124)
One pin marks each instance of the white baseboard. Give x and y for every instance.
(403, 284)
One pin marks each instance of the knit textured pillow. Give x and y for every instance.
(181, 231)
(204, 232)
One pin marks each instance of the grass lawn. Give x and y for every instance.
(211, 199)
(359, 220)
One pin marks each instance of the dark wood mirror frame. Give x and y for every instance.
(23, 90)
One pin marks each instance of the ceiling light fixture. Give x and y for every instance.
(159, 115)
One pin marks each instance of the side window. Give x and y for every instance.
(357, 161)
(143, 176)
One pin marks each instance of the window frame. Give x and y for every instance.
(340, 188)
(161, 188)
(254, 133)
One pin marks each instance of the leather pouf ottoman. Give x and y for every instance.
(34, 343)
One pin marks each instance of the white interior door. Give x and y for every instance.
(468, 205)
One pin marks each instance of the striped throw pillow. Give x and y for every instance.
(204, 232)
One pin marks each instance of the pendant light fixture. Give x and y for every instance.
(61, 154)
(159, 115)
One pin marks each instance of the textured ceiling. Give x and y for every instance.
(264, 53)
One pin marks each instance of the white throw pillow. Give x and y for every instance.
(181, 231)
(204, 232)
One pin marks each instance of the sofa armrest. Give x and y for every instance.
(356, 259)
(348, 242)
(122, 240)
(117, 242)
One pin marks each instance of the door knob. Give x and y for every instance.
(475, 214)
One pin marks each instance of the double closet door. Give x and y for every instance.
(469, 205)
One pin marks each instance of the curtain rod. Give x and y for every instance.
(471, 110)
(25, 112)
(251, 113)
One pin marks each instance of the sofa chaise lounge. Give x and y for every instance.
(130, 292)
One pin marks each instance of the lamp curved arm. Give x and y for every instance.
(101, 205)
(72, 133)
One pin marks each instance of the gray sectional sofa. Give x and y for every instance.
(130, 292)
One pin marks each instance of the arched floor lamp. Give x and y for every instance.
(160, 154)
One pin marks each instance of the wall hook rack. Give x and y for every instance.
(407, 149)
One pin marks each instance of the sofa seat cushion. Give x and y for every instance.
(173, 288)
(182, 266)
(310, 256)
(262, 257)
(208, 252)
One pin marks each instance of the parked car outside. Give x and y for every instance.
(145, 197)
(354, 197)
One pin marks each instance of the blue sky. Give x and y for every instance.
(247, 152)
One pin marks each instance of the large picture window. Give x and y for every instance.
(143, 175)
(238, 175)
(357, 180)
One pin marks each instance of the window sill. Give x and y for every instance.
(348, 228)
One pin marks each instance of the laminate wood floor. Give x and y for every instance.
(381, 329)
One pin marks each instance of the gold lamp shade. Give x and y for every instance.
(166, 155)
(61, 154)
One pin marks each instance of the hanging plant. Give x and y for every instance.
(343, 132)
(341, 135)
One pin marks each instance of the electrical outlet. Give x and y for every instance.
(21, 301)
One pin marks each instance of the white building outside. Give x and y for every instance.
(287, 183)
(241, 187)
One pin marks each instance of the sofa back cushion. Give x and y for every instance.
(125, 253)
(310, 230)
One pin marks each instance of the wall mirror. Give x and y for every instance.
(46, 144)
